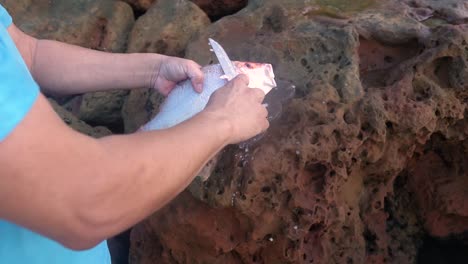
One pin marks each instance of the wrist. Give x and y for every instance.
(220, 124)
(151, 65)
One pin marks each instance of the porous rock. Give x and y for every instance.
(337, 179)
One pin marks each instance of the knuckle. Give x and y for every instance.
(259, 93)
(242, 79)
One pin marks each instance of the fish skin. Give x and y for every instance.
(183, 102)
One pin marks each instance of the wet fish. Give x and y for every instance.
(183, 102)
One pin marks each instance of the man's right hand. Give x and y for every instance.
(242, 107)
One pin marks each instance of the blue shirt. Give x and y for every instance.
(18, 92)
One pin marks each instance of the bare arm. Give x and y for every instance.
(61, 68)
(79, 190)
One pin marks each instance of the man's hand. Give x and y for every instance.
(172, 70)
(242, 107)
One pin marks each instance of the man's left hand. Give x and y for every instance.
(173, 70)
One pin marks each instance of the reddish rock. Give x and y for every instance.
(438, 177)
(324, 184)
(214, 233)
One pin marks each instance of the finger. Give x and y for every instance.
(194, 72)
(241, 80)
(263, 126)
(266, 125)
(264, 112)
(258, 94)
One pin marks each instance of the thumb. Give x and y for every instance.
(194, 72)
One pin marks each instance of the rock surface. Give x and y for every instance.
(102, 24)
(77, 124)
(102, 108)
(369, 156)
(167, 27)
(140, 106)
(367, 160)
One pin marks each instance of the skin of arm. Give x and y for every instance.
(61, 68)
(79, 191)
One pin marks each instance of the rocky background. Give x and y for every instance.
(367, 164)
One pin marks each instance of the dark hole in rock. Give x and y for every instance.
(316, 227)
(275, 20)
(370, 238)
(315, 174)
(221, 8)
(437, 251)
(388, 59)
(389, 125)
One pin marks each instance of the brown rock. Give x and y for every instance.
(214, 233)
(78, 125)
(321, 186)
(140, 106)
(100, 108)
(439, 180)
(167, 27)
(102, 24)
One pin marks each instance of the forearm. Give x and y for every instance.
(79, 190)
(153, 168)
(61, 68)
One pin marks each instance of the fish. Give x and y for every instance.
(183, 102)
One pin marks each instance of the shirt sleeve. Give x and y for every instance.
(5, 18)
(18, 90)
